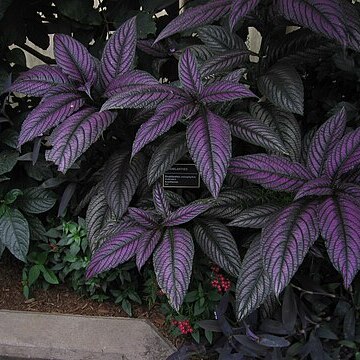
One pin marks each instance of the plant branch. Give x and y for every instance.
(43, 58)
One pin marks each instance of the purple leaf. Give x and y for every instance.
(335, 19)
(129, 81)
(39, 80)
(283, 86)
(218, 39)
(224, 91)
(161, 203)
(339, 220)
(48, 114)
(172, 149)
(345, 155)
(117, 250)
(173, 264)
(119, 52)
(224, 62)
(209, 143)
(285, 241)
(189, 74)
(253, 284)
(143, 218)
(166, 116)
(75, 135)
(121, 178)
(142, 96)
(254, 131)
(186, 213)
(315, 187)
(239, 9)
(157, 50)
(75, 60)
(270, 171)
(283, 123)
(218, 244)
(146, 246)
(255, 217)
(195, 17)
(323, 141)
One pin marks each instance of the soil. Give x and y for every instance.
(60, 299)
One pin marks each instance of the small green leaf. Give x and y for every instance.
(49, 275)
(196, 336)
(26, 291)
(126, 306)
(11, 196)
(8, 159)
(209, 336)
(34, 273)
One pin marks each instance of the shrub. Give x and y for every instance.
(227, 107)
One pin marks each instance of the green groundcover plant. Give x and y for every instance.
(242, 117)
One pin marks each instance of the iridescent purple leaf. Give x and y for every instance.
(172, 149)
(253, 284)
(339, 220)
(189, 74)
(160, 201)
(129, 81)
(157, 50)
(283, 123)
(75, 60)
(76, 134)
(218, 39)
(117, 250)
(283, 86)
(49, 113)
(270, 171)
(196, 16)
(325, 138)
(286, 240)
(121, 178)
(142, 96)
(173, 264)
(315, 187)
(146, 246)
(186, 213)
(345, 155)
(143, 218)
(209, 143)
(218, 244)
(166, 116)
(224, 62)
(39, 80)
(255, 217)
(254, 131)
(119, 52)
(224, 91)
(335, 19)
(239, 9)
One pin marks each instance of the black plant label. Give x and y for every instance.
(181, 176)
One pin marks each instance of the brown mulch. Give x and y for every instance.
(61, 300)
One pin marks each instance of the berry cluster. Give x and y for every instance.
(221, 283)
(184, 326)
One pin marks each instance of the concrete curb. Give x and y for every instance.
(42, 336)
